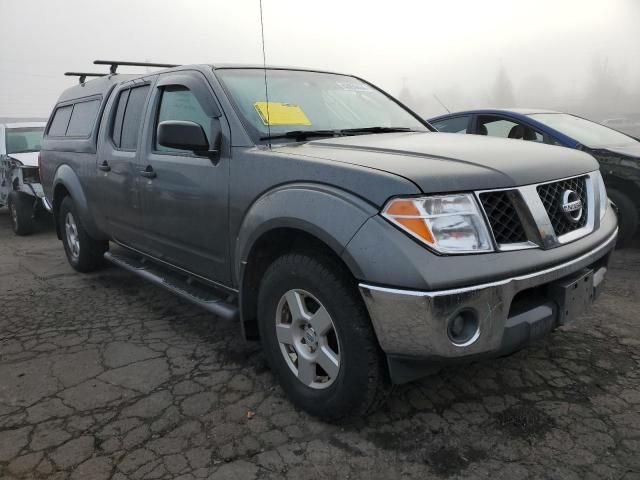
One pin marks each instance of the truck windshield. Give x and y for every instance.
(589, 134)
(20, 140)
(302, 101)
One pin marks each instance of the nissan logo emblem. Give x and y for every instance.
(571, 206)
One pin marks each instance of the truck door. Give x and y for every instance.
(185, 195)
(118, 205)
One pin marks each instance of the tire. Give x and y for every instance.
(627, 217)
(326, 290)
(83, 252)
(21, 211)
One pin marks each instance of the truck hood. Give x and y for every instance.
(28, 159)
(445, 162)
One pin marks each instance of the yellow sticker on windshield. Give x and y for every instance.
(277, 113)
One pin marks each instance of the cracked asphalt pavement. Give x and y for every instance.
(105, 376)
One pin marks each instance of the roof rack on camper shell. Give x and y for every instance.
(114, 64)
(83, 75)
(113, 67)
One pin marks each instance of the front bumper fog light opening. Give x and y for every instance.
(463, 328)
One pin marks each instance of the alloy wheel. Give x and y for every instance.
(71, 231)
(308, 339)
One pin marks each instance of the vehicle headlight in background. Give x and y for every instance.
(602, 193)
(446, 223)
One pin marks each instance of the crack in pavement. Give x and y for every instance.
(105, 376)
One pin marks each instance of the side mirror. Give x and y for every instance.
(182, 135)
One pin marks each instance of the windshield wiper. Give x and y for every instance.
(303, 134)
(353, 131)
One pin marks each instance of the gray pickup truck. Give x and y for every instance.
(361, 248)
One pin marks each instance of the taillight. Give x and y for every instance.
(40, 165)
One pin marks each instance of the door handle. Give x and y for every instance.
(148, 172)
(104, 166)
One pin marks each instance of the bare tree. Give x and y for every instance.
(502, 91)
(405, 95)
(536, 91)
(605, 93)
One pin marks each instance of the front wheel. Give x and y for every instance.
(318, 338)
(21, 210)
(83, 252)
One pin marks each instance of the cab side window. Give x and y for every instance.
(453, 125)
(179, 103)
(129, 113)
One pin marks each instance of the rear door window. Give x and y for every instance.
(58, 127)
(83, 118)
(128, 117)
(452, 125)
(116, 133)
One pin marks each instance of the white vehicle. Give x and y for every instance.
(20, 188)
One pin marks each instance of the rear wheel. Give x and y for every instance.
(627, 216)
(21, 210)
(83, 252)
(318, 338)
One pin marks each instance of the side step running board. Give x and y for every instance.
(182, 285)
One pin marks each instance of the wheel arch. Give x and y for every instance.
(59, 192)
(270, 246)
(315, 218)
(67, 183)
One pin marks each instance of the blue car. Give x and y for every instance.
(618, 154)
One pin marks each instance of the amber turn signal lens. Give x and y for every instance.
(402, 207)
(418, 227)
(405, 213)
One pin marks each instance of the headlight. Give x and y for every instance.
(447, 223)
(602, 193)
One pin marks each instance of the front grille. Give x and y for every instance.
(551, 196)
(503, 217)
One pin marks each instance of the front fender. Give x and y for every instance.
(67, 178)
(330, 214)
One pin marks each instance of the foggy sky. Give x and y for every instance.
(553, 53)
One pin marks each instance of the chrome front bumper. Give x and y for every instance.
(414, 323)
